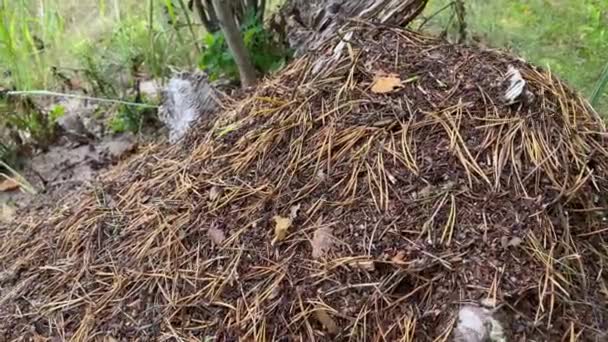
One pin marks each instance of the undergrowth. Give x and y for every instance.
(266, 53)
(100, 48)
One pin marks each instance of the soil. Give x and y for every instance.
(84, 148)
(317, 209)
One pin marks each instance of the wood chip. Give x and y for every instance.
(322, 241)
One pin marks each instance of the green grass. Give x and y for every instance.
(568, 36)
(101, 45)
(112, 34)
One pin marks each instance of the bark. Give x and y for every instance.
(312, 22)
(235, 42)
(209, 22)
(208, 17)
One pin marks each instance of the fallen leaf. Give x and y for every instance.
(326, 321)
(214, 193)
(386, 83)
(216, 235)
(8, 185)
(293, 212)
(282, 224)
(322, 240)
(399, 257)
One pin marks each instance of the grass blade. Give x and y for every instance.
(600, 87)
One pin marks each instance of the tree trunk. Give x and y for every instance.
(311, 22)
(235, 42)
(207, 17)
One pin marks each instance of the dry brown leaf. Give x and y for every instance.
(216, 235)
(326, 321)
(282, 224)
(386, 83)
(399, 258)
(322, 240)
(8, 185)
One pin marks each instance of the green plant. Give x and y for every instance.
(8, 153)
(20, 114)
(57, 112)
(265, 53)
(600, 87)
(131, 118)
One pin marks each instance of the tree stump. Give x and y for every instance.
(310, 23)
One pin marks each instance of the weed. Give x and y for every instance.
(56, 113)
(130, 118)
(265, 53)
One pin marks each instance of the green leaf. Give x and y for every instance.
(209, 39)
(57, 112)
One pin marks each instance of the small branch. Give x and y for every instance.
(80, 97)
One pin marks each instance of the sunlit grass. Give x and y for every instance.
(38, 35)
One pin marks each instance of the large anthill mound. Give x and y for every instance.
(365, 199)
